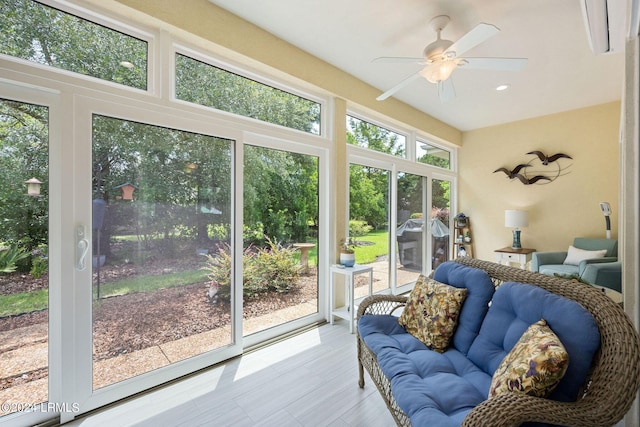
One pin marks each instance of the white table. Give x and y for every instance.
(508, 255)
(348, 310)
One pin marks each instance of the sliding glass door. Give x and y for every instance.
(369, 224)
(24, 280)
(280, 237)
(411, 228)
(161, 214)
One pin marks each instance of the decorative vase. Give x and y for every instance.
(347, 259)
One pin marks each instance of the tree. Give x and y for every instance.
(207, 85)
(374, 137)
(48, 36)
(23, 155)
(280, 193)
(368, 195)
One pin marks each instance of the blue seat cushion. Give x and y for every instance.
(432, 388)
(480, 290)
(515, 306)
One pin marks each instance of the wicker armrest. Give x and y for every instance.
(513, 409)
(381, 304)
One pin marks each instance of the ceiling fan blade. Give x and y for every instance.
(472, 39)
(446, 91)
(398, 59)
(506, 64)
(399, 86)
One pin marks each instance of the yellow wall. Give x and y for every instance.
(558, 211)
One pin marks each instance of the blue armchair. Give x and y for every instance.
(605, 271)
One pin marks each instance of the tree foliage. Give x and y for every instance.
(42, 34)
(280, 192)
(374, 137)
(214, 87)
(23, 155)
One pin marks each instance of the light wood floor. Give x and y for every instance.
(310, 379)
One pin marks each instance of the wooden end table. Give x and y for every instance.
(508, 255)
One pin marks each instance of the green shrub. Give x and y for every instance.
(10, 257)
(277, 267)
(218, 232)
(270, 269)
(218, 270)
(39, 266)
(359, 228)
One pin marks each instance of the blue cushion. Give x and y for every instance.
(431, 388)
(480, 290)
(515, 306)
(435, 388)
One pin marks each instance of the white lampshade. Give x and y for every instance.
(516, 218)
(439, 71)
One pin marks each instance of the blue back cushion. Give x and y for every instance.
(515, 306)
(480, 290)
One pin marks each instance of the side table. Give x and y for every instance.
(508, 255)
(348, 310)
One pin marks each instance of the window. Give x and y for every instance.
(374, 137)
(161, 203)
(369, 222)
(214, 87)
(281, 221)
(24, 284)
(48, 36)
(389, 197)
(432, 155)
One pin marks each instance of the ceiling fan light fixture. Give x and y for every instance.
(438, 71)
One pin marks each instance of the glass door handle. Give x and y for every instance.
(82, 248)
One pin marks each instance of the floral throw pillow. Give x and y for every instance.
(534, 366)
(432, 311)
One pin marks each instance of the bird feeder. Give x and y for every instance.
(33, 187)
(126, 191)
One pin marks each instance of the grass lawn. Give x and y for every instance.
(364, 254)
(24, 302)
(150, 283)
(27, 302)
(369, 253)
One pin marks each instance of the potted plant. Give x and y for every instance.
(347, 253)
(461, 220)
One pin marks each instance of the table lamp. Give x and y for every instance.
(516, 219)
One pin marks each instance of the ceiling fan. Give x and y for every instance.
(442, 57)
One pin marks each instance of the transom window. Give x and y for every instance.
(214, 87)
(374, 137)
(432, 155)
(48, 36)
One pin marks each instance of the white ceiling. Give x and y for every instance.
(562, 73)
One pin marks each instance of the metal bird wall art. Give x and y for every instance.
(549, 159)
(542, 169)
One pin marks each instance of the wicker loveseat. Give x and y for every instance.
(604, 398)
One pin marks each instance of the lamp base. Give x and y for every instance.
(516, 240)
